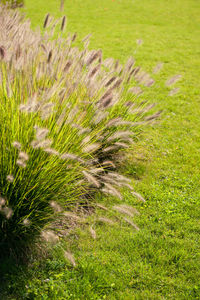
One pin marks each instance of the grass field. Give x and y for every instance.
(162, 260)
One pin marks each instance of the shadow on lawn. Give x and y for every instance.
(14, 274)
(10, 272)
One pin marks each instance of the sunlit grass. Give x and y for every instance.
(161, 261)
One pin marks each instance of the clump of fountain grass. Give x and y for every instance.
(12, 3)
(66, 116)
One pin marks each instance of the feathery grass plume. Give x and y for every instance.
(49, 236)
(46, 20)
(17, 145)
(41, 133)
(84, 130)
(86, 140)
(132, 224)
(71, 215)
(173, 80)
(109, 62)
(119, 122)
(108, 179)
(139, 42)
(2, 52)
(86, 43)
(67, 66)
(129, 64)
(69, 256)
(135, 71)
(157, 68)
(49, 56)
(148, 107)
(110, 149)
(7, 211)
(71, 156)
(91, 148)
(23, 156)
(2, 201)
(112, 190)
(21, 163)
(130, 208)
(129, 104)
(9, 90)
(86, 38)
(47, 110)
(51, 151)
(138, 196)
(97, 170)
(31, 106)
(63, 21)
(106, 100)
(93, 233)
(18, 52)
(26, 222)
(94, 71)
(119, 177)
(74, 36)
(125, 123)
(99, 116)
(62, 5)
(101, 206)
(123, 145)
(91, 179)
(126, 209)
(106, 220)
(174, 91)
(119, 134)
(118, 145)
(55, 206)
(132, 73)
(141, 77)
(109, 163)
(41, 144)
(94, 56)
(149, 82)
(10, 178)
(114, 121)
(110, 81)
(117, 84)
(153, 117)
(136, 90)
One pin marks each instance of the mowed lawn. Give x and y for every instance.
(162, 260)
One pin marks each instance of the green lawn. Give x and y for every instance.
(162, 260)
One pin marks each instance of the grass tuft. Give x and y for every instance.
(64, 125)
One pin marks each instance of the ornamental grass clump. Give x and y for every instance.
(66, 117)
(12, 3)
